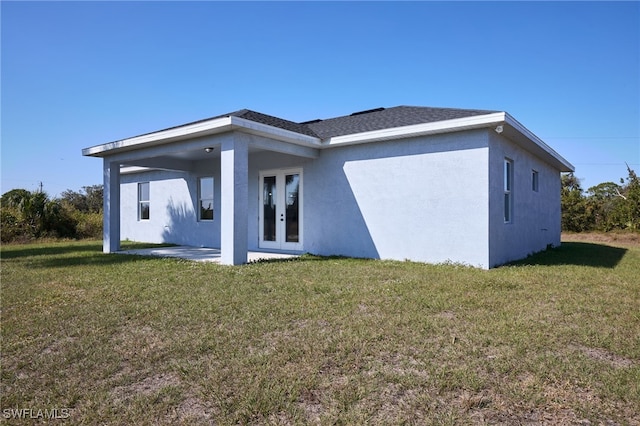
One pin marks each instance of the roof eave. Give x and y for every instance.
(204, 128)
(529, 141)
(513, 130)
(519, 134)
(444, 126)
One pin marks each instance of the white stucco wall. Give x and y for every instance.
(423, 199)
(536, 215)
(433, 199)
(173, 208)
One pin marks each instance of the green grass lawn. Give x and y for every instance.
(118, 339)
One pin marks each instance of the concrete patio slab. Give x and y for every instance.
(202, 254)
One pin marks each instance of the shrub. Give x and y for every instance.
(88, 225)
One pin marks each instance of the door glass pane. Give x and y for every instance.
(206, 209)
(144, 211)
(269, 208)
(292, 183)
(143, 191)
(205, 190)
(143, 200)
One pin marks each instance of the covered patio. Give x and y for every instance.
(228, 141)
(202, 254)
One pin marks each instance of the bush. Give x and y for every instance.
(33, 215)
(88, 225)
(605, 207)
(11, 227)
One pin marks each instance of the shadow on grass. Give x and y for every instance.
(32, 250)
(302, 258)
(98, 259)
(581, 254)
(73, 254)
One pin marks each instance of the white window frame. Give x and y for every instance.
(200, 199)
(142, 201)
(508, 190)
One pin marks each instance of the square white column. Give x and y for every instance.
(234, 194)
(111, 207)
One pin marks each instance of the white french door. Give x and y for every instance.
(281, 209)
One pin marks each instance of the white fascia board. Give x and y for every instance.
(515, 124)
(455, 125)
(125, 170)
(217, 125)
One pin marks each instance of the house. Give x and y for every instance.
(424, 184)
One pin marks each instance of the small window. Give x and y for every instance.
(205, 197)
(534, 180)
(143, 201)
(508, 190)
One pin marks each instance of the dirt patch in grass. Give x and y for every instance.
(605, 356)
(625, 239)
(396, 402)
(193, 410)
(147, 386)
(57, 345)
(136, 342)
(447, 315)
(490, 407)
(398, 365)
(312, 406)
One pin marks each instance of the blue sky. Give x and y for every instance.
(77, 74)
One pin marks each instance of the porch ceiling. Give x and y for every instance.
(202, 155)
(187, 159)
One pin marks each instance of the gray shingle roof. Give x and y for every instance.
(387, 118)
(272, 121)
(358, 122)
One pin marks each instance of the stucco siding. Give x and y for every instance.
(423, 199)
(433, 198)
(536, 214)
(173, 209)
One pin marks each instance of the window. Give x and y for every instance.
(143, 201)
(508, 190)
(534, 180)
(205, 197)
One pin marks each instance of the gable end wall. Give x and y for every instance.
(536, 215)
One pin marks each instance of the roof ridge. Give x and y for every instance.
(386, 118)
(356, 122)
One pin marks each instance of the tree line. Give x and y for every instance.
(31, 215)
(605, 207)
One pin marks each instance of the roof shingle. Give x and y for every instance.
(358, 122)
(387, 118)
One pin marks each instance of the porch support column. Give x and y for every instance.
(234, 200)
(111, 207)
